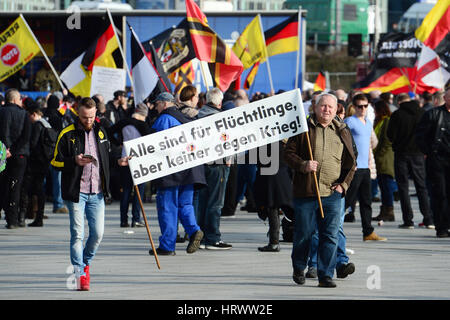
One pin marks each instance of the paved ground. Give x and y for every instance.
(412, 264)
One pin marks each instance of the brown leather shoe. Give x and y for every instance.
(374, 237)
(61, 210)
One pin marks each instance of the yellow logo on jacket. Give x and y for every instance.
(101, 135)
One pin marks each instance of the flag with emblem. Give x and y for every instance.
(183, 76)
(250, 46)
(224, 65)
(17, 48)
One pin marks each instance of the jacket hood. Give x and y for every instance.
(411, 107)
(52, 102)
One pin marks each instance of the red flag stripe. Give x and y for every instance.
(291, 30)
(439, 32)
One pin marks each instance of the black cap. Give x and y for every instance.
(119, 93)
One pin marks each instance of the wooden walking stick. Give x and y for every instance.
(136, 189)
(315, 176)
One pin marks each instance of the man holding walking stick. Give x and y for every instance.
(324, 164)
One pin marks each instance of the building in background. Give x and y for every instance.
(29, 5)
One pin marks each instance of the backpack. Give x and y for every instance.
(48, 140)
(2, 156)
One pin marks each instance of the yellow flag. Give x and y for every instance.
(250, 47)
(17, 48)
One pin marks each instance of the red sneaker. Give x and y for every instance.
(84, 280)
(86, 271)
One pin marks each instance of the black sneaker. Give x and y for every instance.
(161, 252)
(311, 273)
(270, 248)
(298, 277)
(327, 282)
(194, 241)
(344, 270)
(349, 217)
(406, 226)
(124, 225)
(219, 246)
(442, 234)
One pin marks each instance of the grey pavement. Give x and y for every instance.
(412, 264)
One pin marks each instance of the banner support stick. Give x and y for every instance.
(136, 189)
(315, 176)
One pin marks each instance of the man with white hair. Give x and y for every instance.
(334, 163)
(341, 95)
(211, 199)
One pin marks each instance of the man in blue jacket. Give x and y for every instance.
(175, 192)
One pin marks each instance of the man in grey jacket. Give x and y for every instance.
(211, 198)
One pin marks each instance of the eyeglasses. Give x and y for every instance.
(362, 106)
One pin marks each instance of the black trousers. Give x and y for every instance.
(361, 189)
(438, 174)
(229, 205)
(12, 185)
(414, 165)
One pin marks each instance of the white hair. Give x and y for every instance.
(214, 96)
(323, 95)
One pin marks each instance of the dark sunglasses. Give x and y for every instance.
(362, 106)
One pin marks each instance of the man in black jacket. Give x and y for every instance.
(433, 138)
(15, 130)
(409, 160)
(82, 156)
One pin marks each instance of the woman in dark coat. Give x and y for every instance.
(273, 192)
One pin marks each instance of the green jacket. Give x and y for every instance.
(383, 153)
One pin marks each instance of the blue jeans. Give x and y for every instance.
(341, 257)
(387, 189)
(175, 203)
(307, 218)
(56, 188)
(246, 178)
(93, 206)
(210, 202)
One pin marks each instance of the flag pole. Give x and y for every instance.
(298, 50)
(120, 47)
(315, 176)
(205, 82)
(136, 189)
(267, 56)
(44, 54)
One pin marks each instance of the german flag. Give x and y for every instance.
(436, 25)
(224, 66)
(283, 37)
(100, 52)
(394, 80)
(321, 82)
(103, 52)
(251, 76)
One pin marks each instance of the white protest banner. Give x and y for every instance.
(217, 136)
(107, 80)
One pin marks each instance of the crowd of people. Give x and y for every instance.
(70, 149)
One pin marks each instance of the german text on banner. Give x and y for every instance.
(215, 137)
(17, 48)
